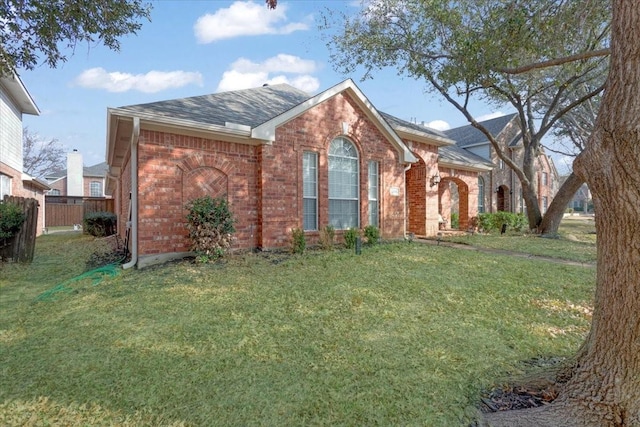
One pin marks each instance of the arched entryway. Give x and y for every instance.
(502, 198)
(453, 202)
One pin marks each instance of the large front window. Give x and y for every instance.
(310, 191)
(344, 188)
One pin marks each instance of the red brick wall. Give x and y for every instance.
(423, 198)
(19, 190)
(263, 183)
(280, 171)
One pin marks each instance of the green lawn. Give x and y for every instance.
(404, 334)
(575, 241)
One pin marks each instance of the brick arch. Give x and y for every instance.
(201, 160)
(463, 199)
(204, 181)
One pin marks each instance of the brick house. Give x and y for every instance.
(499, 189)
(15, 101)
(78, 180)
(284, 159)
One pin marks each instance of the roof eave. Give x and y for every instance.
(19, 94)
(473, 167)
(422, 137)
(267, 130)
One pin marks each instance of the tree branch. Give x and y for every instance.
(555, 62)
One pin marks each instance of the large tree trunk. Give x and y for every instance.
(553, 215)
(604, 389)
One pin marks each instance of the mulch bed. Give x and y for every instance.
(512, 397)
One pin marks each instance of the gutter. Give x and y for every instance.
(135, 137)
(406, 199)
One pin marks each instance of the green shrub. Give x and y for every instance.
(350, 237)
(488, 222)
(519, 222)
(327, 236)
(11, 219)
(455, 221)
(210, 224)
(100, 224)
(298, 241)
(485, 222)
(372, 234)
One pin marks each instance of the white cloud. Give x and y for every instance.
(244, 18)
(295, 71)
(439, 125)
(151, 82)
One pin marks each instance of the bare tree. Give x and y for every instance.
(39, 156)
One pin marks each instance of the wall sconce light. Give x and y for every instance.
(497, 189)
(435, 180)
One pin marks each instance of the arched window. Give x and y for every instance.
(480, 194)
(344, 189)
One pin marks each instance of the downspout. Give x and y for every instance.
(406, 199)
(135, 136)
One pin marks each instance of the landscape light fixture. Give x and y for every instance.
(435, 180)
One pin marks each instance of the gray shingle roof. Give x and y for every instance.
(99, 170)
(460, 156)
(396, 122)
(466, 136)
(250, 107)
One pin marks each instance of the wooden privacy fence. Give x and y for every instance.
(21, 246)
(63, 214)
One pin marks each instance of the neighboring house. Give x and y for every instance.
(582, 201)
(500, 189)
(284, 159)
(15, 101)
(77, 180)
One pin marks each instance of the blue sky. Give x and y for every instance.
(194, 48)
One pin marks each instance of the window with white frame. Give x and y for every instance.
(545, 204)
(5, 186)
(374, 194)
(344, 201)
(54, 192)
(480, 194)
(95, 189)
(545, 178)
(309, 191)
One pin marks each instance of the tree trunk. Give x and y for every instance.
(553, 215)
(604, 389)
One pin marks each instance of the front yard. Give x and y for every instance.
(404, 334)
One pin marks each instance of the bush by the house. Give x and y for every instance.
(455, 221)
(211, 225)
(100, 224)
(372, 234)
(327, 235)
(11, 219)
(298, 241)
(350, 237)
(488, 222)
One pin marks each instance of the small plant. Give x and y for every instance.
(327, 236)
(210, 224)
(519, 222)
(350, 237)
(372, 234)
(298, 241)
(11, 219)
(455, 221)
(100, 224)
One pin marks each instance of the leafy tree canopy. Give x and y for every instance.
(35, 31)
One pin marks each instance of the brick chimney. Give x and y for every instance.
(75, 171)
